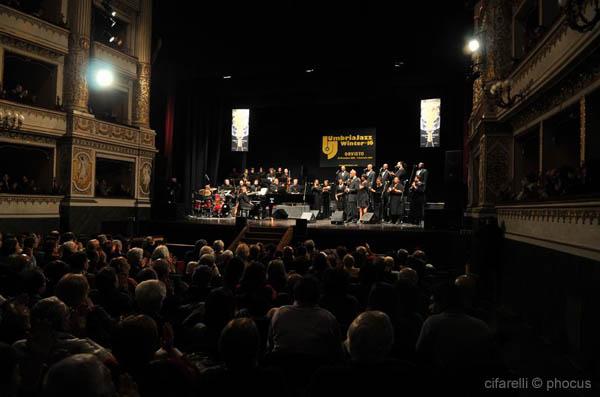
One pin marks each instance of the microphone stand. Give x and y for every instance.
(412, 176)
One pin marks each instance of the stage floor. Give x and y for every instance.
(319, 224)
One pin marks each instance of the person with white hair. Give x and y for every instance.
(135, 257)
(149, 296)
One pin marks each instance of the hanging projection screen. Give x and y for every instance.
(240, 129)
(430, 122)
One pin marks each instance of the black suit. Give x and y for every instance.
(353, 186)
(244, 202)
(370, 178)
(423, 174)
(343, 175)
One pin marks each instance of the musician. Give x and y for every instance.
(423, 174)
(279, 173)
(340, 195)
(377, 194)
(384, 174)
(400, 172)
(241, 184)
(252, 174)
(255, 188)
(370, 175)
(227, 186)
(352, 191)
(386, 179)
(326, 199)
(396, 193)
(295, 188)
(362, 198)
(417, 200)
(244, 203)
(286, 174)
(342, 174)
(271, 175)
(317, 191)
(274, 186)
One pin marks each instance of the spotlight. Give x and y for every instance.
(112, 38)
(309, 70)
(104, 77)
(113, 22)
(113, 13)
(473, 45)
(398, 64)
(226, 77)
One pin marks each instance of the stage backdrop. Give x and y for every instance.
(349, 147)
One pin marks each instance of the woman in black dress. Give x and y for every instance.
(317, 192)
(396, 200)
(363, 196)
(326, 199)
(417, 200)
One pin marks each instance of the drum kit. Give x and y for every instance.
(213, 204)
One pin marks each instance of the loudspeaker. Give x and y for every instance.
(309, 216)
(280, 213)
(337, 218)
(301, 227)
(453, 167)
(315, 213)
(368, 217)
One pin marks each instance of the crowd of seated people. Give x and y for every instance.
(125, 317)
(26, 185)
(555, 183)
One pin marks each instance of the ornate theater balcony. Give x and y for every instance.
(34, 30)
(571, 227)
(35, 119)
(112, 134)
(29, 206)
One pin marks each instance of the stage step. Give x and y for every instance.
(264, 235)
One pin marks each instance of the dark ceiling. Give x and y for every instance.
(351, 45)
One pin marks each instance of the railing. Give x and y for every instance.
(572, 227)
(29, 206)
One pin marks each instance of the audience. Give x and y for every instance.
(118, 316)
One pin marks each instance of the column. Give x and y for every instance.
(75, 90)
(143, 49)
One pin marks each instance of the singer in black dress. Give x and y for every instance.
(317, 192)
(396, 192)
(326, 199)
(363, 196)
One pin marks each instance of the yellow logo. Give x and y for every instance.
(330, 147)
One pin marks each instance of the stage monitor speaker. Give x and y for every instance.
(368, 217)
(309, 216)
(315, 213)
(240, 222)
(337, 218)
(301, 227)
(280, 213)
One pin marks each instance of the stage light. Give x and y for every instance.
(113, 22)
(309, 70)
(398, 64)
(473, 45)
(226, 77)
(104, 77)
(113, 13)
(112, 38)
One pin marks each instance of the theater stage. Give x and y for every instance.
(444, 247)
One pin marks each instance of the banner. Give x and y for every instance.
(430, 122)
(240, 129)
(351, 148)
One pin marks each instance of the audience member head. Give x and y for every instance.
(149, 296)
(34, 281)
(161, 267)
(401, 257)
(207, 260)
(135, 341)
(160, 252)
(78, 262)
(49, 315)
(306, 291)
(146, 273)
(409, 275)
(370, 337)
(135, 256)
(242, 251)
(73, 289)
(79, 375)
(219, 308)
(106, 279)
(239, 344)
